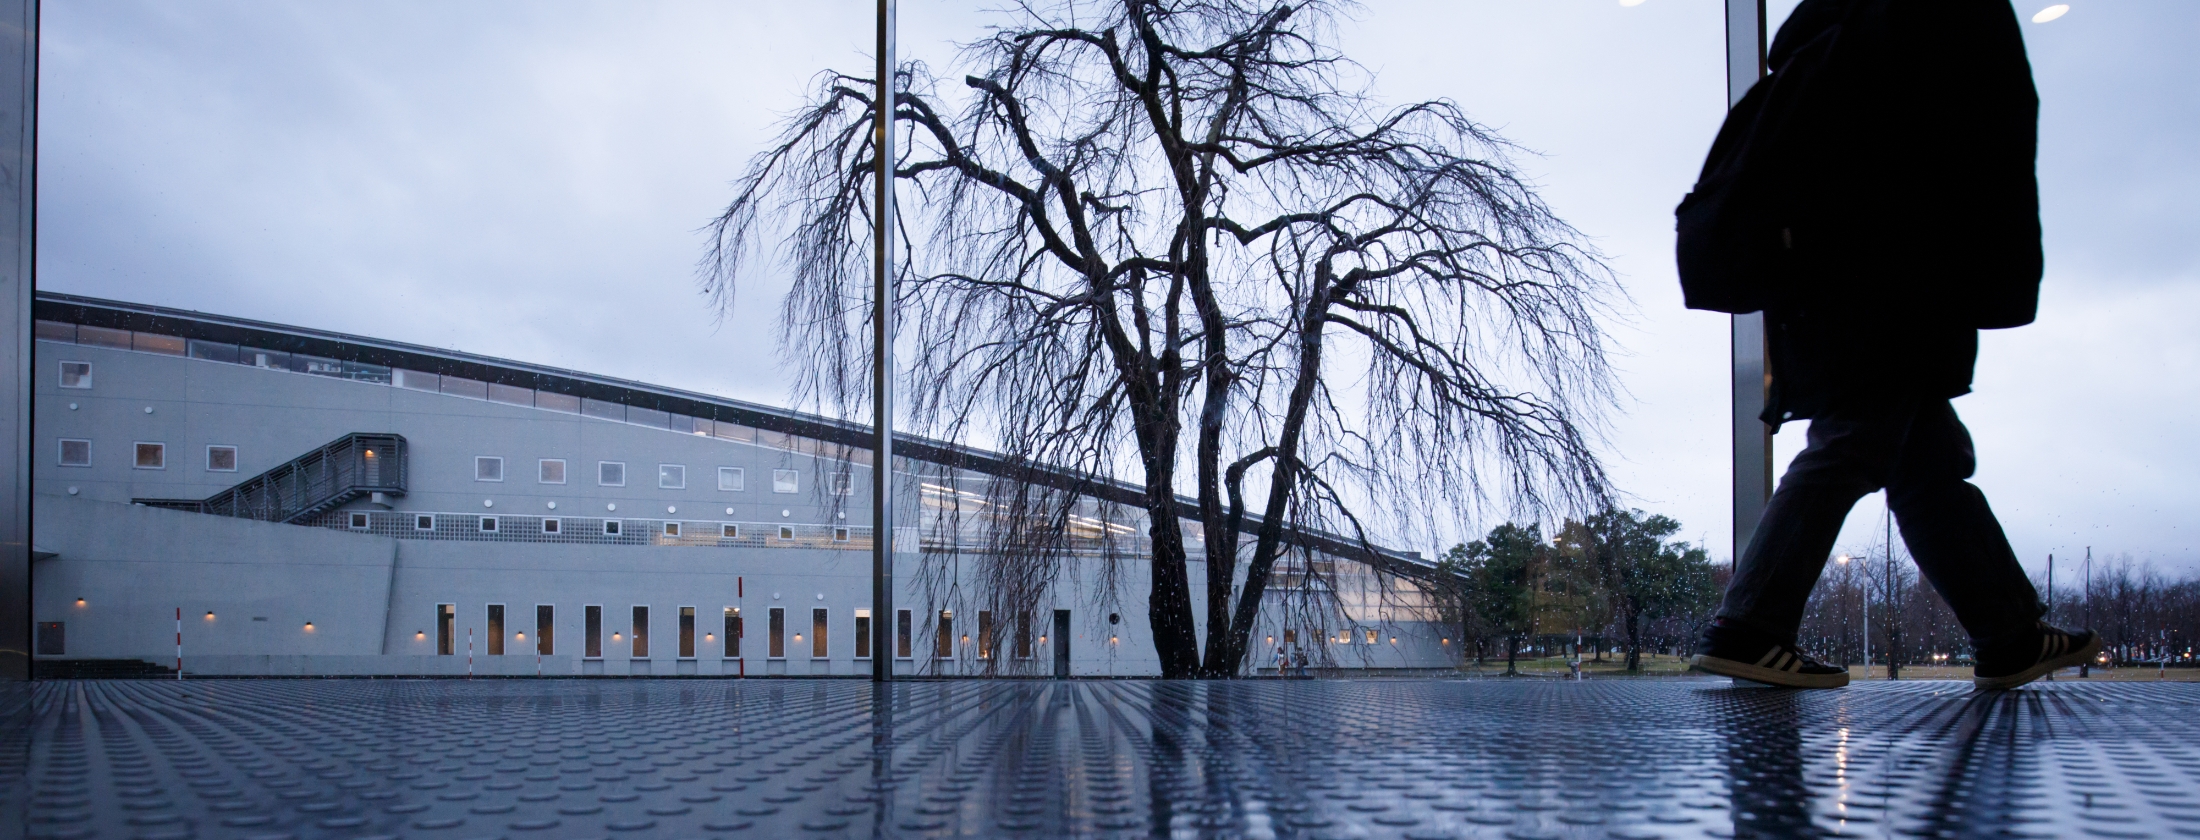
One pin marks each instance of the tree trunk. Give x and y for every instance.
(1512, 655)
(1634, 638)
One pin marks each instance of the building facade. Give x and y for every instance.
(287, 501)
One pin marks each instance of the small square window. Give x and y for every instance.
(76, 453)
(732, 479)
(611, 527)
(786, 532)
(550, 471)
(359, 520)
(152, 456)
(731, 532)
(672, 477)
(424, 522)
(672, 529)
(488, 524)
(549, 526)
(76, 374)
(840, 535)
(488, 468)
(844, 485)
(611, 473)
(1370, 634)
(786, 481)
(221, 459)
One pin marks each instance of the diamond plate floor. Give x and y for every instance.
(551, 760)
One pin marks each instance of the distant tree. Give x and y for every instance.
(1180, 238)
(1646, 575)
(1503, 571)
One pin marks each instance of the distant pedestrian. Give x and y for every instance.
(1875, 197)
(1283, 663)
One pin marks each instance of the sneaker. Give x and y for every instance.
(1734, 654)
(2030, 656)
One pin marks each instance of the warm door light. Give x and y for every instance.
(309, 627)
(209, 615)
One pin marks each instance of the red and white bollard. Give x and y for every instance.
(469, 653)
(179, 644)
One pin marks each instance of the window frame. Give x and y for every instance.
(730, 647)
(684, 632)
(862, 628)
(671, 529)
(944, 636)
(791, 479)
(359, 520)
(679, 469)
(599, 473)
(546, 631)
(542, 465)
(137, 453)
(638, 641)
(552, 525)
(740, 483)
(419, 518)
(843, 484)
(775, 634)
(484, 460)
(592, 638)
(61, 375)
(211, 447)
(446, 629)
(493, 617)
(840, 533)
(786, 533)
(821, 625)
(611, 528)
(489, 525)
(61, 452)
(905, 643)
(729, 530)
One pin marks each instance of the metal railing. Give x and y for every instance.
(355, 465)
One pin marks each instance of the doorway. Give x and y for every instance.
(1061, 644)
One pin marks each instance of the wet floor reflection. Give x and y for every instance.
(351, 760)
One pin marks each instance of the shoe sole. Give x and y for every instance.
(1768, 676)
(2040, 669)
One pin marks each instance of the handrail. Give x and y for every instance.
(326, 478)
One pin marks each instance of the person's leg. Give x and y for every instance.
(1958, 544)
(1850, 453)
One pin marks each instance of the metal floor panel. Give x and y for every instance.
(560, 759)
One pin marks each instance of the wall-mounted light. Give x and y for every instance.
(1111, 640)
(1447, 641)
(1042, 640)
(520, 636)
(798, 637)
(1271, 639)
(80, 602)
(614, 637)
(209, 615)
(708, 637)
(1394, 640)
(309, 627)
(420, 634)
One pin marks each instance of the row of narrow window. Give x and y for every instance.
(145, 455)
(669, 476)
(724, 640)
(363, 520)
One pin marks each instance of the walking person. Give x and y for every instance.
(1875, 197)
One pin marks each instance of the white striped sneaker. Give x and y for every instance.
(2014, 662)
(1770, 663)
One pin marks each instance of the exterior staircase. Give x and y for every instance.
(355, 465)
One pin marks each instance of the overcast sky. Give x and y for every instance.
(526, 179)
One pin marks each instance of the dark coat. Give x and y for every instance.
(1880, 200)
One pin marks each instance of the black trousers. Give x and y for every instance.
(1920, 453)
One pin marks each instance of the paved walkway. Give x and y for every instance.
(550, 760)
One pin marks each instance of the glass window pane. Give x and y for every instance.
(641, 632)
(214, 351)
(733, 632)
(166, 345)
(592, 631)
(363, 372)
(76, 453)
(558, 402)
(103, 337)
(510, 395)
(611, 473)
(461, 387)
(672, 476)
(221, 458)
(551, 471)
(152, 456)
(416, 380)
(488, 468)
(775, 635)
(818, 619)
(732, 479)
(76, 374)
(647, 417)
(54, 331)
(603, 410)
(786, 481)
(733, 432)
(269, 359)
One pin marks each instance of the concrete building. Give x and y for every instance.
(304, 502)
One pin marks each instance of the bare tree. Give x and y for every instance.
(1132, 217)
